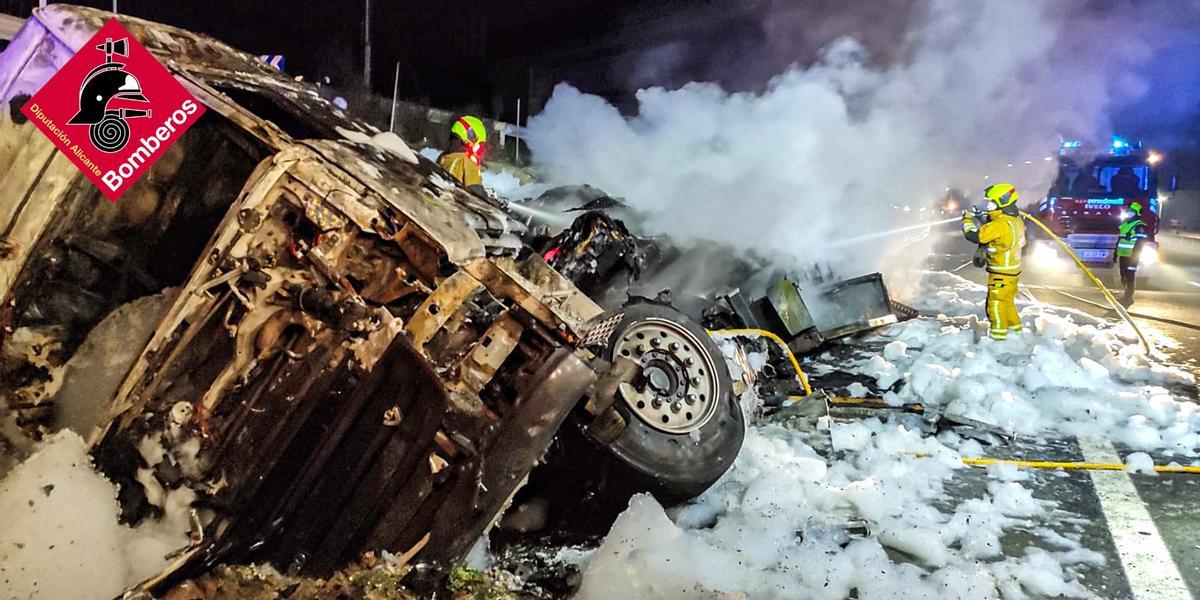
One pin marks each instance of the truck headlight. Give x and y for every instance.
(1149, 255)
(1045, 253)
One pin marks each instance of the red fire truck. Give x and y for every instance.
(1090, 197)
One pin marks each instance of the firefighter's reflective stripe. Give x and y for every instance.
(1125, 247)
(1129, 237)
(1004, 237)
(996, 329)
(1001, 306)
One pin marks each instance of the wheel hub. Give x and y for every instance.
(676, 389)
(658, 379)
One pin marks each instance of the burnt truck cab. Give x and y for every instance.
(353, 353)
(1089, 198)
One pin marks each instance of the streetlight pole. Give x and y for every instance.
(366, 43)
(517, 138)
(395, 94)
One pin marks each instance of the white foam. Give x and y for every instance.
(771, 528)
(59, 535)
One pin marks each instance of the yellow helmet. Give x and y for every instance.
(1000, 195)
(469, 129)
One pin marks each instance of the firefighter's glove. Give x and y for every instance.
(968, 222)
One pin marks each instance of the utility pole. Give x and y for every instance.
(517, 138)
(395, 94)
(114, 6)
(366, 43)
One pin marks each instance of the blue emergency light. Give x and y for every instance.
(1121, 147)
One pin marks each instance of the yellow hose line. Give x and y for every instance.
(1100, 286)
(779, 341)
(1067, 466)
(1084, 466)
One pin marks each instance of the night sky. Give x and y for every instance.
(481, 56)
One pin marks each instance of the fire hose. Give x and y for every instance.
(800, 376)
(1064, 465)
(1120, 310)
(1081, 466)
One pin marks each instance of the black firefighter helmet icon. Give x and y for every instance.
(109, 129)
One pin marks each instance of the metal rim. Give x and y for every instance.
(677, 389)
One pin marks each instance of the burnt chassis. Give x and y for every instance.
(358, 354)
(337, 424)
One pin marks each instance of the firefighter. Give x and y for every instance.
(1132, 236)
(463, 156)
(1002, 240)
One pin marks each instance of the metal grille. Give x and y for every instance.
(599, 331)
(902, 311)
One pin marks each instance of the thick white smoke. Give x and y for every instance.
(826, 150)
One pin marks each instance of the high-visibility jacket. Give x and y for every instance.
(1003, 236)
(459, 165)
(1132, 234)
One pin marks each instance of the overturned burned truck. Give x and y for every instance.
(354, 354)
(339, 348)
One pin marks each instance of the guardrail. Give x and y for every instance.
(422, 125)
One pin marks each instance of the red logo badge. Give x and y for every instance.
(113, 109)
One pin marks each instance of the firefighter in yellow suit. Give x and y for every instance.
(1003, 238)
(464, 153)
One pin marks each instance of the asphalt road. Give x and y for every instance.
(1157, 522)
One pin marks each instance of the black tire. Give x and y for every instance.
(674, 466)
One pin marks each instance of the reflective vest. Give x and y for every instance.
(1131, 234)
(1004, 238)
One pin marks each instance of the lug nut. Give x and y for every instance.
(655, 342)
(695, 381)
(656, 403)
(674, 346)
(690, 361)
(691, 398)
(676, 407)
(640, 349)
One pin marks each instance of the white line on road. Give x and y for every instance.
(1151, 571)
(1194, 283)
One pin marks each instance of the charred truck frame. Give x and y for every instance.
(355, 355)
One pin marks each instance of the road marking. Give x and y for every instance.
(1194, 283)
(1151, 571)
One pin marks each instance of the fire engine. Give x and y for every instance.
(1090, 197)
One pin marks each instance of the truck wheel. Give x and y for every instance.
(683, 424)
